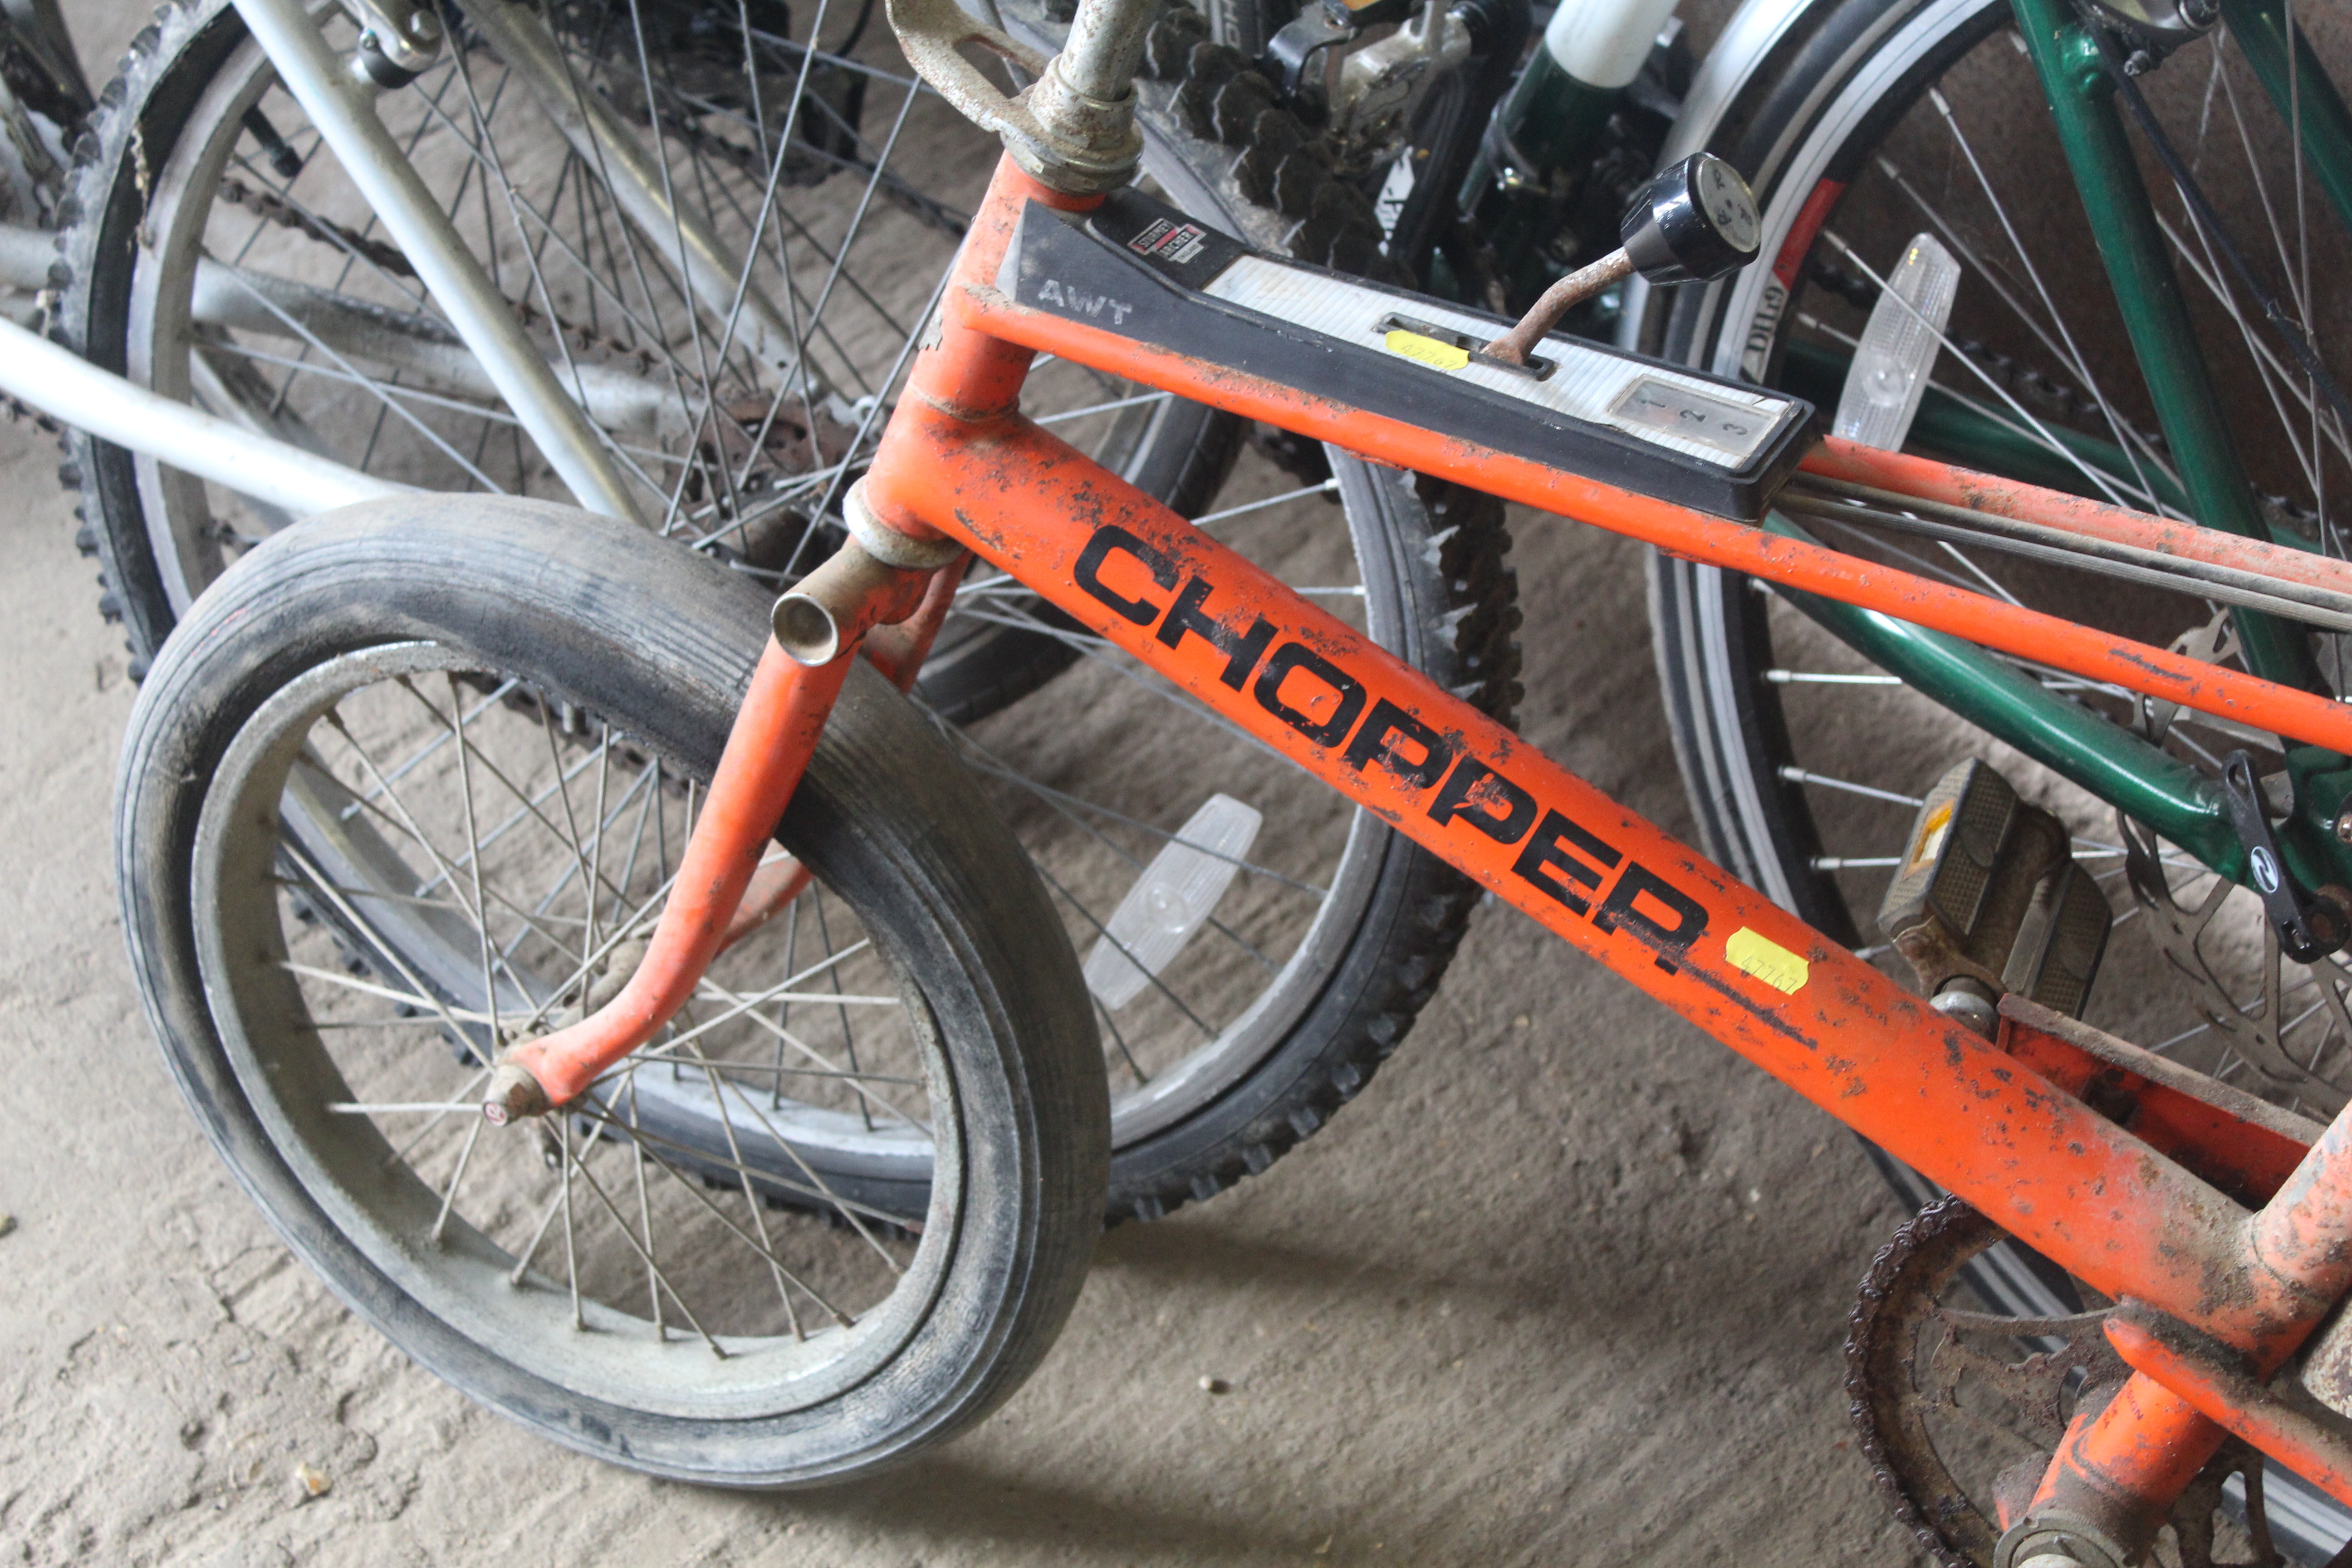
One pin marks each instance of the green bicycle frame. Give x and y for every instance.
(2289, 70)
(1557, 124)
(2111, 762)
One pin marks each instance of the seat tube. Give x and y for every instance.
(2118, 1470)
(2147, 292)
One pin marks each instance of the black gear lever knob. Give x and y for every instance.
(1693, 223)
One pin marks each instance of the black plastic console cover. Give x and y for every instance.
(1144, 272)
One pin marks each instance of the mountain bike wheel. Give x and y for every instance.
(201, 265)
(1803, 763)
(1321, 954)
(603, 1276)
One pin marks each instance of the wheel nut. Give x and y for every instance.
(512, 1095)
(424, 25)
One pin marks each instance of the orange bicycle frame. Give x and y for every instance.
(2152, 1207)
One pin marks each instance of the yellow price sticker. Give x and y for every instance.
(1752, 953)
(1428, 351)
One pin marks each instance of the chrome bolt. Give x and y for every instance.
(424, 25)
(1969, 1003)
(2344, 826)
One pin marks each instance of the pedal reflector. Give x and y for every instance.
(1989, 889)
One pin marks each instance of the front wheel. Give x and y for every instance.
(410, 784)
(190, 223)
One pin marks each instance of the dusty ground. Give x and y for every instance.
(1566, 1286)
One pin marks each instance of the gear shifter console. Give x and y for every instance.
(1141, 271)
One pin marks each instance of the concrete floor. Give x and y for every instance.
(1565, 1286)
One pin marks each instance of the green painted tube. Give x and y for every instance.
(2146, 784)
(2259, 27)
(2140, 269)
(1550, 117)
(1551, 120)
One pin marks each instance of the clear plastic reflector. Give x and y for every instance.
(1889, 373)
(1171, 899)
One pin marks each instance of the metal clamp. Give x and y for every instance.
(1073, 128)
(887, 544)
(2309, 929)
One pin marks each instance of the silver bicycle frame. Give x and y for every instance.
(482, 352)
(342, 106)
(62, 384)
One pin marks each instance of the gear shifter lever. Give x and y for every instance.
(1695, 222)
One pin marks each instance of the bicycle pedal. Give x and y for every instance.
(1988, 899)
(1143, 273)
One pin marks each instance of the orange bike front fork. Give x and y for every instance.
(722, 892)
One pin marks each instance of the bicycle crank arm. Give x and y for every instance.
(1678, 459)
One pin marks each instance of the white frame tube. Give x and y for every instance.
(70, 389)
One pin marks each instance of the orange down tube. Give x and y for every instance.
(958, 461)
(2073, 1184)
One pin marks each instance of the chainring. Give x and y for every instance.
(1959, 1410)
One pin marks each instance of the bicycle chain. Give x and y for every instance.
(936, 215)
(273, 208)
(1883, 1290)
